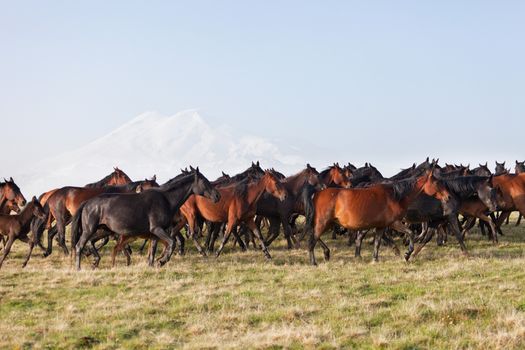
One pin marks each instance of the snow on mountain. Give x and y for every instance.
(153, 143)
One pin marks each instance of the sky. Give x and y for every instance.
(378, 80)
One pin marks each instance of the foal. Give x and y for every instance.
(18, 226)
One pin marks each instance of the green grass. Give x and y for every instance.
(442, 300)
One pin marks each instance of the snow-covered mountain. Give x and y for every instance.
(156, 144)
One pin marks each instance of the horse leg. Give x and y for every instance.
(51, 233)
(429, 232)
(352, 236)
(471, 221)
(31, 243)
(238, 238)
(251, 225)
(273, 231)
(492, 226)
(161, 234)
(227, 233)
(453, 224)
(61, 227)
(181, 241)
(359, 241)
(116, 249)
(326, 250)
(377, 243)
(152, 251)
(400, 227)
(143, 246)
(96, 259)
(7, 247)
(390, 241)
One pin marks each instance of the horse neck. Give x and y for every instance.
(294, 183)
(26, 214)
(411, 196)
(177, 195)
(255, 190)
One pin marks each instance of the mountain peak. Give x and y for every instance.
(153, 143)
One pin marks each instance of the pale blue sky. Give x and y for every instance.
(381, 79)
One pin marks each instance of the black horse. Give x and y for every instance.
(138, 213)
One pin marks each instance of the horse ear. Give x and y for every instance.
(486, 163)
(309, 167)
(258, 163)
(154, 178)
(197, 170)
(517, 162)
(428, 158)
(34, 199)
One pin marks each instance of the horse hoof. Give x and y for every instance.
(327, 256)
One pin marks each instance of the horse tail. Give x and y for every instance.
(76, 226)
(38, 225)
(309, 209)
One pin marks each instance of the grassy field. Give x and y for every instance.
(442, 300)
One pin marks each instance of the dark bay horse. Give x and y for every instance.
(115, 178)
(64, 203)
(427, 209)
(378, 206)
(138, 213)
(18, 226)
(237, 205)
(281, 212)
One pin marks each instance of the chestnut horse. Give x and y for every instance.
(238, 204)
(18, 226)
(379, 206)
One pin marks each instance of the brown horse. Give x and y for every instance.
(9, 191)
(238, 204)
(379, 206)
(335, 176)
(512, 187)
(18, 226)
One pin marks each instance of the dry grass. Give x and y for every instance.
(442, 300)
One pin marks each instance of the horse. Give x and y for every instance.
(280, 212)
(512, 187)
(238, 204)
(18, 226)
(138, 213)
(9, 191)
(464, 190)
(481, 170)
(334, 176)
(115, 178)
(378, 206)
(500, 169)
(64, 202)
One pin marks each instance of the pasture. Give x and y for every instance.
(442, 300)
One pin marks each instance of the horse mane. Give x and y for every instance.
(402, 187)
(176, 181)
(464, 186)
(100, 182)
